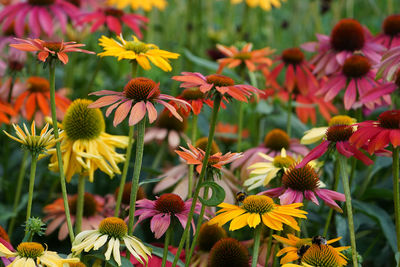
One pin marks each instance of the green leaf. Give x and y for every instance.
(218, 194)
(383, 219)
(159, 252)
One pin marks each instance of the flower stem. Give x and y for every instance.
(166, 244)
(335, 186)
(124, 171)
(136, 173)
(269, 246)
(347, 192)
(18, 190)
(289, 115)
(191, 167)
(257, 237)
(213, 122)
(31, 185)
(396, 196)
(80, 203)
(52, 71)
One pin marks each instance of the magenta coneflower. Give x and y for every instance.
(390, 36)
(138, 98)
(348, 36)
(299, 183)
(163, 210)
(41, 15)
(216, 83)
(113, 19)
(356, 75)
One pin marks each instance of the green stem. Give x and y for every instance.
(18, 190)
(289, 115)
(80, 203)
(52, 70)
(257, 237)
(31, 185)
(124, 171)
(213, 122)
(191, 167)
(136, 173)
(166, 244)
(269, 245)
(349, 209)
(396, 192)
(335, 186)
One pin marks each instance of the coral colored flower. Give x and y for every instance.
(93, 214)
(390, 36)
(216, 83)
(56, 50)
(390, 64)
(32, 254)
(356, 75)
(114, 19)
(377, 135)
(347, 37)
(195, 156)
(5, 111)
(35, 99)
(196, 99)
(244, 57)
(228, 133)
(163, 210)
(85, 145)
(264, 4)
(138, 51)
(39, 15)
(295, 244)
(138, 98)
(146, 5)
(113, 232)
(256, 209)
(303, 182)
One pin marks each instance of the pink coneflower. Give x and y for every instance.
(113, 19)
(138, 98)
(390, 36)
(92, 214)
(336, 138)
(163, 210)
(356, 75)
(377, 135)
(216, 83)
(49, 50)
(6, 243)
(348, 36)
(274, 141)
(299, 183)
(41, 15)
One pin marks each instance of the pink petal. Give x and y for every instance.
(121, 112)
(137, 113)
(151, 111)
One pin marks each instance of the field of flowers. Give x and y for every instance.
(199, 133)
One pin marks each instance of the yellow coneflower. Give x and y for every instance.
(85, 144)
(147, 5)
(264, 4)
(137, 50)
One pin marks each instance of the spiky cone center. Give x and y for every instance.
(322, 256)
(242, 55)
(293, 56)
(228, 252)
(341, 120)
(31, 250)
(38, 84)
(356, 66)
(202, 144)
(192, 94)
(114, 12)
(114, 227)
(390, 119)
(89, 205)
(81, 122)
(126, 194)
(348, 35)
(169, 122)
(283, 162)
(258, 204)
(53, 46)
(209, 235)
(220, 80)
(41, 2)
(391, 25)
(300, 179)
(277, 139)
(170, 203)
(137, 47)
(339, 133)
(140, 88)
